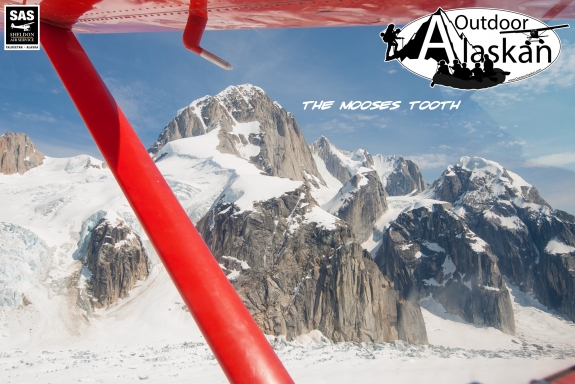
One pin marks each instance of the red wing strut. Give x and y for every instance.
(195, 26)
(235, 339)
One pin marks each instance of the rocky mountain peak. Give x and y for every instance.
(360, 202)
(474, 181)
(321, 142)
(341, 164)
(250, 125)
(429, 250)
(115, 260)
(244, 98)
(522, 229)
(297, 268)
(398, 175)
(18, 154)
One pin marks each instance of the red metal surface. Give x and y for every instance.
(565, 380)
(566, 376)
(240, 347)
(195, 26)
(95, 16)
(193, 32)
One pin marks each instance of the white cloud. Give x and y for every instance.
(502, 95)
(470, 128)
(353, 122)
(364, 117)
(138, 101)
(337, 125)
(561, 74)
(56, 148)
(44, 117)
(430, 160)
(556, 159)
(455, 93)
(514, 143)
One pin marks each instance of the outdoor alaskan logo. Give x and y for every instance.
(473, 48)
(22, 27)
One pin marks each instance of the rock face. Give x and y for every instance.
(398, 175)
(534, 244)
(341, 164)
(401, 176)
(555, 277)
(18, 154)
(431, 251)
(294, 263)
(251, 126)
(360, 202)
(297, 268)
(116, 259)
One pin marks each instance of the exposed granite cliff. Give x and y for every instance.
(360, 202)
(18, 154)
(401, 176)
(297, 268)
(341, 164)
(534, 243)
(116, 260)
(251, 126)
(429, 250)
(398, 175)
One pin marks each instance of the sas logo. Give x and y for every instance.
(22, 27)
(473, 48)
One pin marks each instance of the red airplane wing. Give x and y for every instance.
(93, 16)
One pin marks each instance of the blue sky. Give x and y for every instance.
(528, 127)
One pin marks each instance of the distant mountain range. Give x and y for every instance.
(311, 236)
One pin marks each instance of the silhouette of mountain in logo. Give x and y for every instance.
(440, 38)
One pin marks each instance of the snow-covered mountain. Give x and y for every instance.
(312, 256)
(250, 125)
(475, 224)
(299, 269)
(534, 243)
(428, 251)
(256, 231)
(399, 176)
(360, 202)
(239, 161)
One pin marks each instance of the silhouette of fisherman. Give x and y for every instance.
(488, 66)
(457, 69)
(466, 73)
(389, 36)
(478, 72)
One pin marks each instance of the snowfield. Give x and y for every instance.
(45, 337)
(149, 336)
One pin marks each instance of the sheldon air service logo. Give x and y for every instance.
(473, 48)
(22, 27)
